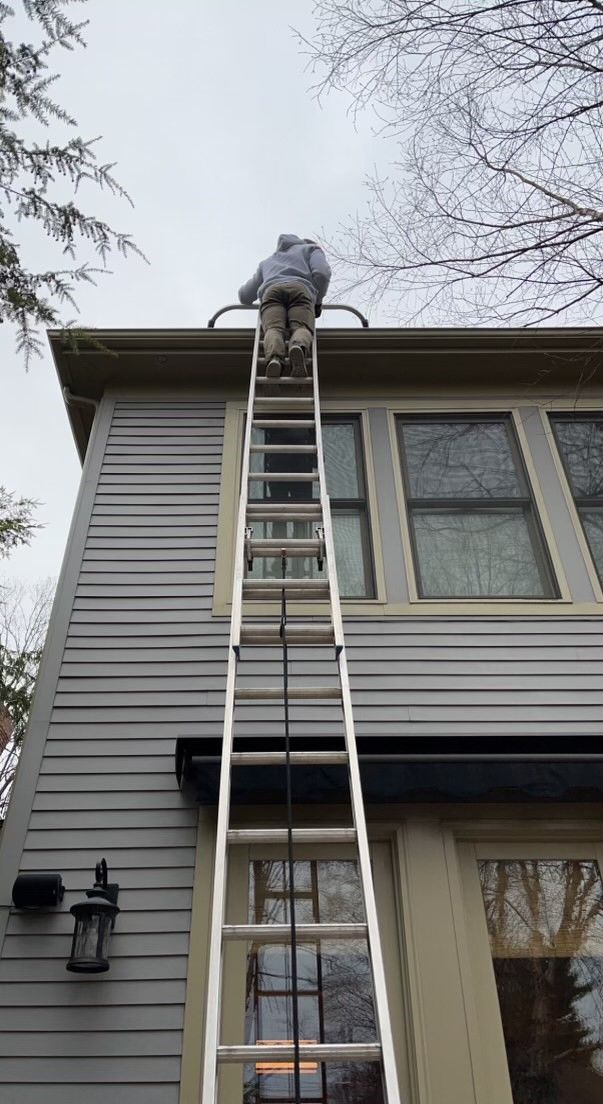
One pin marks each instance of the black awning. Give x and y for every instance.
(399, 769)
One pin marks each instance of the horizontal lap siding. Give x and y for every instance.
(145, 662)
(107, 784)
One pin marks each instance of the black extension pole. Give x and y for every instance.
(294, 987)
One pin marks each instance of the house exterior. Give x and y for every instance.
(466, 479)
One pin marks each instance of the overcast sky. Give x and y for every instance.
(205, 106)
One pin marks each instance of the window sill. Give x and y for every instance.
(427, 607)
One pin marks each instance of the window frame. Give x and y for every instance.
(235, 410)
(384, 861)
(485, 1025)
(579, 502)
(453, 1011)
(357, 507)
(527, 505)
(348, 507)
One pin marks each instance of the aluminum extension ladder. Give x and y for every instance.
(297, 408)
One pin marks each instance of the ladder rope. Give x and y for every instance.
(290, 858)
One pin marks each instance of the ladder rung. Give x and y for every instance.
(264, 360)
(275, 512)
(280, 401)
(284, 423)
(285, 584)
(318, 593)
(300, 835)
(316, 1052)
(253, 595)
(288, 381)
(309, 596)
(284, 477)
(275, 693)
(309, 507)
(304, 933)
(283, 448)
(273, 547)
(296, 634)
(297, 758)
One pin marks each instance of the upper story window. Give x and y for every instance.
(344, 463)
(580, 441)
(473, 524)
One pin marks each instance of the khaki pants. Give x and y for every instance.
(286, 307)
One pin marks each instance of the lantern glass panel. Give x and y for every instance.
(91, 942)
(86, 939)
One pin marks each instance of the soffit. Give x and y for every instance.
(378, 360)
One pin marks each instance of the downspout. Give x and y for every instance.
(72, 399)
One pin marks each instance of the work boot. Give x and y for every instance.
(274, 368)
(297, 360)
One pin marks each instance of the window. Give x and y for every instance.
(474, 529)
(580, 442)
(545, 926)
(344, 465)
(334, 978)
(334, 984)
(533, 956)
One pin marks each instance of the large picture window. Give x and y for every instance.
(344, 463)
(545, 925)
(580, 442)
(473, 524)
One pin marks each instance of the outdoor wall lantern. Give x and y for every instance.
(94, 919)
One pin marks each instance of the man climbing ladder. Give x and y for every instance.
(290, 284)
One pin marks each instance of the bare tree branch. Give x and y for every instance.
(494, 210)
(24, 613)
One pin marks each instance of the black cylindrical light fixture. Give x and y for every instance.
(94, 920)
(37, 890)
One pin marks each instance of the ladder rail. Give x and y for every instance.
(392, 1092)
(218, 900)
(214, 1053)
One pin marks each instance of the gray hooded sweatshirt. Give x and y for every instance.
(297, 261)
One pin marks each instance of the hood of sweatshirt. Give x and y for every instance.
(285, 241)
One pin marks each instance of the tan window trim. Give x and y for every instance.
(584, 407)
(227, 519)
(478, 605)
(385, 865)
(464, 847)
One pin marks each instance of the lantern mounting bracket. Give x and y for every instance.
(108, 889)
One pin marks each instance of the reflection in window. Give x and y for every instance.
(335, 991)
(580, 441)
(473, 525)
(545, 921)
(345, 486)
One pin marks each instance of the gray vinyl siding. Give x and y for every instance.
(144, 662)
(130, 682)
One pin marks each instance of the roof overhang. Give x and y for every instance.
(402, 769)
(350, 358)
